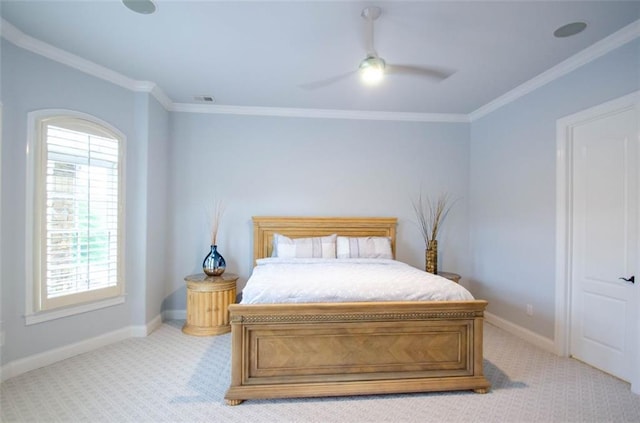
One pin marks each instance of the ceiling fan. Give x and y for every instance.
(373, 68)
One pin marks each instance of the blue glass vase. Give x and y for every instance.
(214, 264)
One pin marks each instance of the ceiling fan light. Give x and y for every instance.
(372, 70)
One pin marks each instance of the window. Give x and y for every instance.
(77, 237)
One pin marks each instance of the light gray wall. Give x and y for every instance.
(157, 201)
(31, 82)
(308, 167)
(136, 181)
(254, 165)
(513, 187)
(500, 235)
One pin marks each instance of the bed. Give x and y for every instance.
(290, 350)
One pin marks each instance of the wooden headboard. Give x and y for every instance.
(304, 227)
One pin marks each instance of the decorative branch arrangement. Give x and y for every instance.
(432, 214)
(215, 221)
(430, 217)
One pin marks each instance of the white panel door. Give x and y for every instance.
(604, 313)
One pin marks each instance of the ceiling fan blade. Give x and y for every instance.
(327, 81)
(431, 72)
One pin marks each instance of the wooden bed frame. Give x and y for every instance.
(333, 349)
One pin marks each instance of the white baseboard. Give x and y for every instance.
(23, 365)
(529, 336)
(144, 330)
(174, 315)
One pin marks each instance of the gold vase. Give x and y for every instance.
(431, 257)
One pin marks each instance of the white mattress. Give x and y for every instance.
(277, 280)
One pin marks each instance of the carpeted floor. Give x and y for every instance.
(172, 377)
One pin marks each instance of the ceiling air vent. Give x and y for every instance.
(205, 99)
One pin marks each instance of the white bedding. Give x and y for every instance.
(277, 280)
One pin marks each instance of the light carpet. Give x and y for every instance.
(172, 377)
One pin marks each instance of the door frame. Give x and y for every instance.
(564, 212)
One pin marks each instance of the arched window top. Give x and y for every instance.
(75, 120)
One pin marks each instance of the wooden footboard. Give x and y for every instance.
(331, 349)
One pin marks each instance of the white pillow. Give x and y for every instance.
(364, 247)
(316, 247)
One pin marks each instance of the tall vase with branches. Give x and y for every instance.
(214, 264)
(431, 213)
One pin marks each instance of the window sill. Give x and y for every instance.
(45, 316)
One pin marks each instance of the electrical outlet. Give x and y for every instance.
(529, 310)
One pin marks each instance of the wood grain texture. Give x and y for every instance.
(330, 349)
(304, 227)
(208, 300)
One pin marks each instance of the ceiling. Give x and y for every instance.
(260, 53)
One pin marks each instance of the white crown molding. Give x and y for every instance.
(162, 98)
(615, 40)
(602, 47)
(319, 113)
(22, 40)
(155, 90)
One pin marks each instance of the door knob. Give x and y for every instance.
(632, 279)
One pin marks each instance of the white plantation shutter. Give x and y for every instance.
(80, 214)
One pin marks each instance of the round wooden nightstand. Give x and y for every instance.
(208, 298)
(451, 276)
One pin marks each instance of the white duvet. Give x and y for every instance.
(277, 280)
